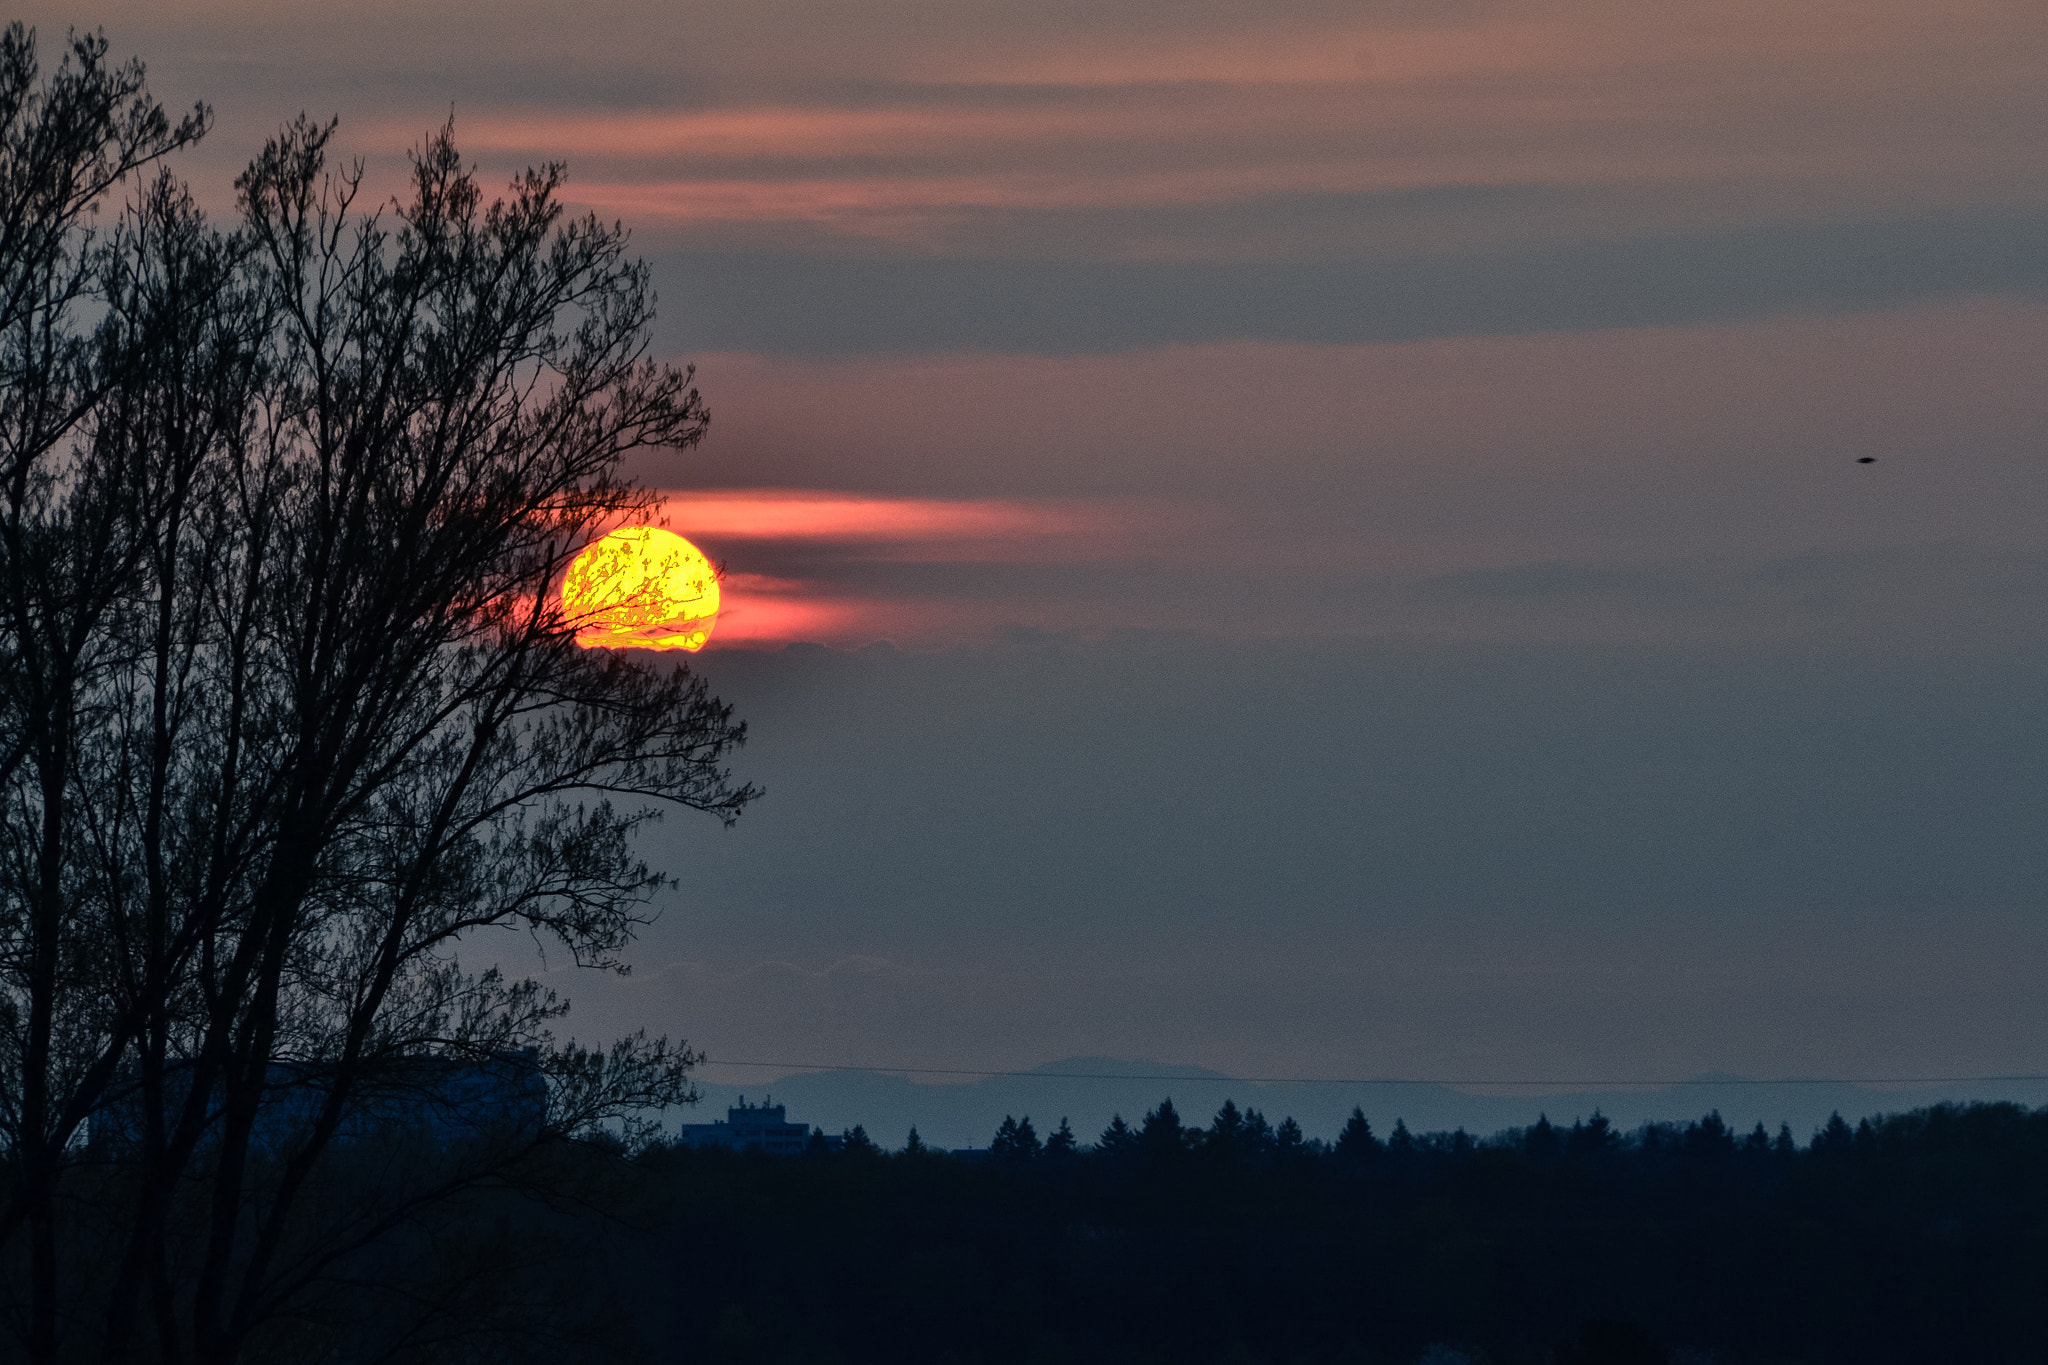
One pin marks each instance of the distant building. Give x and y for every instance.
(750, 1127)
(448, 1098)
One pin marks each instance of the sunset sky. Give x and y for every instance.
(1307, 537)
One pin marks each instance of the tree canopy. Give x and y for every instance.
(288, 702)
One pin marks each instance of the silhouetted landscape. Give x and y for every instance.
(1341, 540)
(1911, 1237)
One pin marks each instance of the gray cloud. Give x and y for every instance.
(1564, 700)
(1367, 859)
(1561, 580)
(809, 304)
(1159, 779)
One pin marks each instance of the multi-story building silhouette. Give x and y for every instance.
(447, 1098)
(749, 1127)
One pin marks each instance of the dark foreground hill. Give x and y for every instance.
(1916, 1237)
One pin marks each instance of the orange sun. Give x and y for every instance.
(641, 587)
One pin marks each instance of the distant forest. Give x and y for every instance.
(1914, 1237)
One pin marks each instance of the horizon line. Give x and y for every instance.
(1391, 1080)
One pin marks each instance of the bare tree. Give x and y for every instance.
(70, 553)
(298, 709)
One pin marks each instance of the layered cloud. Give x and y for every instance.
(1677, 483)
(821, 540)
(1391, 467)
(1131, 131)
(988, 527)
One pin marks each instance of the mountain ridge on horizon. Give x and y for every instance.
(1088, 1091)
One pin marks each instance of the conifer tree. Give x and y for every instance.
(1227, 1132)
(1590, 1138)
(1162, 1133)
(1015, 1140)
(1062, 1142)
(1118, 1137)
(1004, 1143)
(1709, 1137)
(1356, 1144)
(1834, 1139)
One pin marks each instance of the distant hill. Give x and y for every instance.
(1088, 1090)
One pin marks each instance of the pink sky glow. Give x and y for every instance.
(1296, 488)
(999, 527)
(1345, 481)
(737, 525)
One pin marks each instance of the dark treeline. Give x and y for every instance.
(1914, 1237)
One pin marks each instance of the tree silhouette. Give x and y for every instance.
(1015, 1140)
(73, 541)
(1709, 1138)
(914, 1146)
(1590, 1138)
(1062, 1143)
(1227, 1132)
(1401, 1142)
(1355, 1143)
(1118, 1137)
(1835, 1138)
(288, 707)
(1162, 1133)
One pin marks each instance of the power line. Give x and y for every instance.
(1575, 1082)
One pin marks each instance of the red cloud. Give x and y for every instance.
(761, 609)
